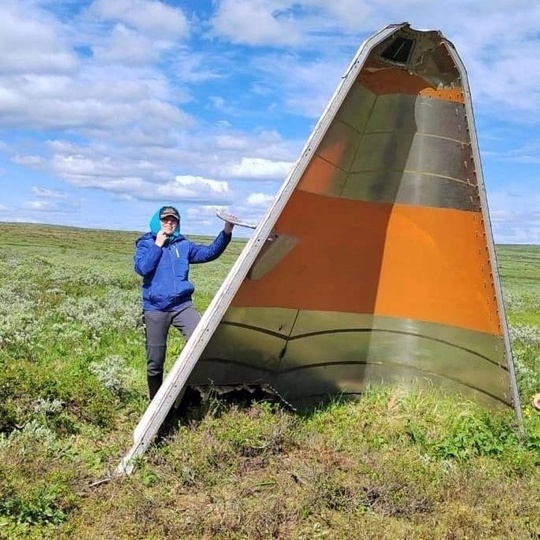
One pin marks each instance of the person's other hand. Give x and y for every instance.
(160, 238)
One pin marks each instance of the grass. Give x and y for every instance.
(400, 463)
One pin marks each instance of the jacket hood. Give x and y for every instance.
(155, 225)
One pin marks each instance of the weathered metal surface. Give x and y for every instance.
(392, 274)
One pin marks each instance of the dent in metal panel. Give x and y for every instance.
(273, 320)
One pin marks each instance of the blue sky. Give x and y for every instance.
(111, 108)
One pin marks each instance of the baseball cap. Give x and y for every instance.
(169, 211)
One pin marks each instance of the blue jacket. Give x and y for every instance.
(165, 270)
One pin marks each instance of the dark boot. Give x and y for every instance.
(154, 382)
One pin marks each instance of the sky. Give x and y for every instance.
(110, 109)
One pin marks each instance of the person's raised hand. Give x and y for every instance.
(228, 227)
(161, 237)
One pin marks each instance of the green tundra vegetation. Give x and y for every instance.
(400, 463)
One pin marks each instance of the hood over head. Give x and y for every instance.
(155, 225)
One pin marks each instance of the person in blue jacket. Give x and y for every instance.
(162, 257)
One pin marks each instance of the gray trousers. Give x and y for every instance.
(157, 324)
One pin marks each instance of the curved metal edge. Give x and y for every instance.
(516, 401)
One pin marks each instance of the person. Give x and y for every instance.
(162, 257)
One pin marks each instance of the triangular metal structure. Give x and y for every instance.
(375, 261)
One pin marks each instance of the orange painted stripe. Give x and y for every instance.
(444, 94)
(399, 81)
(429, 264)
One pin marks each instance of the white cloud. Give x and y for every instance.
(48, 193)
(235, 142)
(530, 153)
(148, 16)
(195, 67)
(49, 206)
(303, 86)
(30, 161)
(258, 169)
(203, 210)
(99, 171)
(125, 46)
(25, 219)
(260, 199)
(352, 14)
(257, 22)
(194, 188)
(517, 228)
(515, 214)
(92, 102)
(36, 205)
(30, 40)
(150, 181)
(265, 144)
